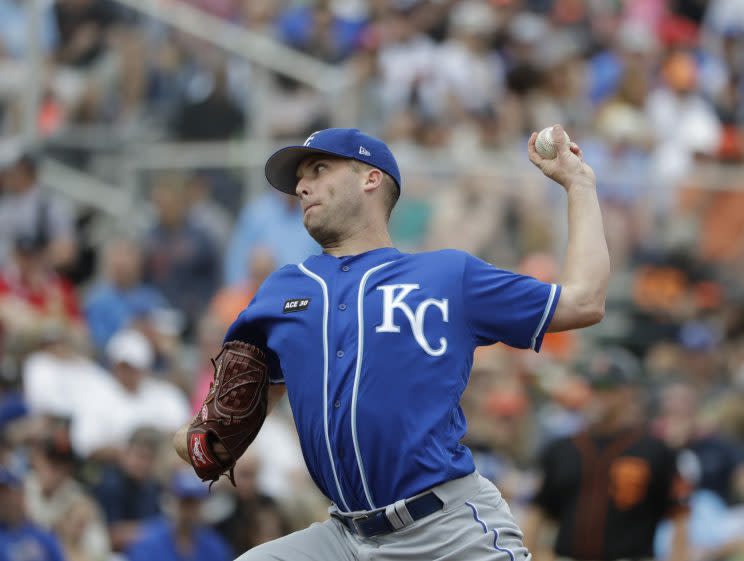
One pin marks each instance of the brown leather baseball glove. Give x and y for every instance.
(233, 411)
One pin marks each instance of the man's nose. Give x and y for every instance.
(302, 187)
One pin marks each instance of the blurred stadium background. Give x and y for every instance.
(135, 222)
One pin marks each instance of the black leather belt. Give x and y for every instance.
(377, 523)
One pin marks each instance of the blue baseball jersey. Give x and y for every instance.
(375, 351)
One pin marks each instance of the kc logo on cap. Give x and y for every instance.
(310, 138)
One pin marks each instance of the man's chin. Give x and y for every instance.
(320, 233)
(311, 224)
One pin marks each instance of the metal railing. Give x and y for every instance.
(248, 155)
(254, 47)
(264, 53)
(83, 188)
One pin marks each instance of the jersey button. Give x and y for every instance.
(339, 354)
(337, 404)
(342, 307)
(345, 268)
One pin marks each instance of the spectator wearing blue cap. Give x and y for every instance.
(182, 536)
(19, 537)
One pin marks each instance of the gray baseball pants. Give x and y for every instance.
(475, 524)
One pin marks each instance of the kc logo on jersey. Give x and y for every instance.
(296, 305)
(393, 296)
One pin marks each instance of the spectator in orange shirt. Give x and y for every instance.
(231, 300)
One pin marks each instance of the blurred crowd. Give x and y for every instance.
(105, 338)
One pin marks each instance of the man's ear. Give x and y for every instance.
(373, 180)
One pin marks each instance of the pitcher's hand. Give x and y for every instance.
(568, 167)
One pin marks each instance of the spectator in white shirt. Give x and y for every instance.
(133, 399)
(686, 123)
(58, 381)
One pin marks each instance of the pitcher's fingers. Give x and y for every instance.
(576, 150)
(534, 156)
(559, 139)
(221, 452)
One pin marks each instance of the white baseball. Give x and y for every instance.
(545, 145)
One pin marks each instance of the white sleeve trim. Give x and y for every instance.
(546, 312)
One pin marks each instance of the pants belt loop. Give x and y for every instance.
(398, 515)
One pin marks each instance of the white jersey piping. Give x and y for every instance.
(324, 288)
(357, 374)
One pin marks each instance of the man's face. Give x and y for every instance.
(189, 512)
(246, 476)
(17, 179)
(12, 505)
(29, 261)
(128, 375)
(124, 264)
(330, 195)
(607, 404)
(139, 461)
(170, 203)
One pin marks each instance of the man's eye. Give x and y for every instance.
(318, 167)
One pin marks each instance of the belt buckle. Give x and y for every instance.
(356, 523)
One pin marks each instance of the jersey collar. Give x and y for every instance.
(382, 252)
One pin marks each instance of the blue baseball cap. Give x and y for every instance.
(352, 144)
(185, 484)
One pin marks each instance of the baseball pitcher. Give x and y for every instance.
(374, 348)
